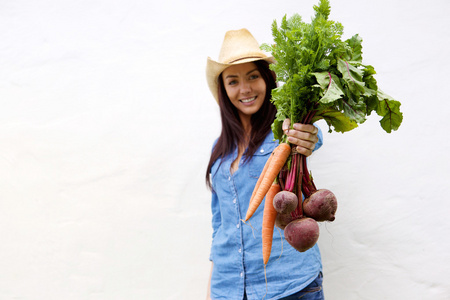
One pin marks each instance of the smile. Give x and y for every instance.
(248, 100)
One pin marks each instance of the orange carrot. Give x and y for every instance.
(263, 172)
(279, 157)
(268, 223)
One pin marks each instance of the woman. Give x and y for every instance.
(241, 83)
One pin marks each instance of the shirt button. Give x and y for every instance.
(262, 150)
(240, 250)
(242, 274)
(237, 226)
(229, 178)
(234, 200)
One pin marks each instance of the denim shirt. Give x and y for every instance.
(236, 249)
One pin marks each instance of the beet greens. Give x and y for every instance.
(322, 77)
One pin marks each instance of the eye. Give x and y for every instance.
(254, 76)
(232, 82)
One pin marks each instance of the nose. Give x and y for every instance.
(246, 87)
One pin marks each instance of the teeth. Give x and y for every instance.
(248, 100)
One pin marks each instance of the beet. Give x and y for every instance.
(283, 219)
(302, 234)
(285, 202)
(321, 205)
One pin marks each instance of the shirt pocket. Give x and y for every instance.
(260, 158)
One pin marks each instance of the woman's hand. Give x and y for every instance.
(304, 136)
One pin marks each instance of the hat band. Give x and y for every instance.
(233, 61)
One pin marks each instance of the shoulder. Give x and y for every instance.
(214, 144)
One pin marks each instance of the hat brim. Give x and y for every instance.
(214, 69)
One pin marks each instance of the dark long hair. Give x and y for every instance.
(232, 130)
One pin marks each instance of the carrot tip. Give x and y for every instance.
(249, 224)
(265, 277)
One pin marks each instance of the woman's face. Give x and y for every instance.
(245, 87)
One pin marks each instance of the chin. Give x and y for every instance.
(249, 111)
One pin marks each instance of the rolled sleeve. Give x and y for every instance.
(320, 136)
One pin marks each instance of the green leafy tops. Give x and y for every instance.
(323, 77)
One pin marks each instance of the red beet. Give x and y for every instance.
(321, 205)
(285, 202)
(302, 233)
(283, 219)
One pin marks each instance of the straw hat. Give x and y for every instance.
(238, 47)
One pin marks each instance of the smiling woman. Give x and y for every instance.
(241, 83)
(246, 105)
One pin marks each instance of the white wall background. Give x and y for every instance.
(106, 124)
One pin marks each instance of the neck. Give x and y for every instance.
(246, 124)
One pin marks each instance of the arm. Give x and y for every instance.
(216, 217)
(216, 222)
(208, 292)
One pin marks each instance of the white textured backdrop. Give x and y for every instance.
(106, 124)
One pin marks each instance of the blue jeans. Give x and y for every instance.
(313, 291)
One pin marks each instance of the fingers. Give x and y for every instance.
(286, 125)
(304, 151)
(304, 136)
(306, 128)
(305, 132)
(303, 147)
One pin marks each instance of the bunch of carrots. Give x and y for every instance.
(268, 185)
